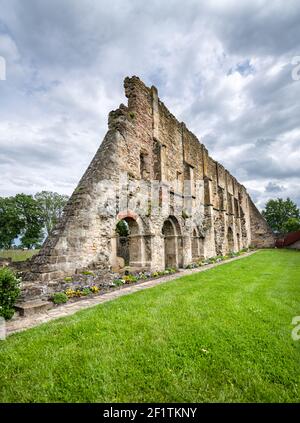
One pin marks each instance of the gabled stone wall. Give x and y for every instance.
(194, 205)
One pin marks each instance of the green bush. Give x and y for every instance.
(122, 228)
(60, 298)
(118, 282)
(68, 279)
(9, 292)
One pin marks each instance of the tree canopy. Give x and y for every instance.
(52, 205)
(29, 218)
(10, 222)
(283, 216)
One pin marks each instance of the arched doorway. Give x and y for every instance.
(230, 242)
(173, 243)
(129, 241)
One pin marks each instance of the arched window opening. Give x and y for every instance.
(129, 242)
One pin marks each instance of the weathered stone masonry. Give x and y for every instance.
(146, 142)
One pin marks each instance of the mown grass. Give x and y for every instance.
(222, 335)
(18, 255)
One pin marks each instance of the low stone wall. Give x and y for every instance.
(295, 246)
(34, 290)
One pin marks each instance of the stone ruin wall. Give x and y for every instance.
(224, 217)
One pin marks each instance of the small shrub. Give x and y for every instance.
(68, 279)
(142, 275)
(191, 266)
(9, 292)
(212, 260)
(60, 298)
(86, 291)
(171, 270)
(118, 282)
(130, 278)
(70, 293)
(94, 289)
(88, 273)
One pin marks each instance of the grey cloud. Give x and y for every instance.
(273, 187)
(258, 27)
(48, 152)
(211, 62)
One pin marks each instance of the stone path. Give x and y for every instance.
(19, 324)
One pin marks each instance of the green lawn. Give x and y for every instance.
(223, 335)
(18, 255)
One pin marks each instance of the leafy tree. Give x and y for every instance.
(291, 225)
(10, 222)
(278, 212)
(122, 228)
(30, 213)
(28, 217)
(52, 205)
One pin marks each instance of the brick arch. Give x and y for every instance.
(127, 213)
(130, 216)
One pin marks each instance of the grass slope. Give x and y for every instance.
(222, 335)
(18, 255)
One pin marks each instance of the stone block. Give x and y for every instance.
(29, 308)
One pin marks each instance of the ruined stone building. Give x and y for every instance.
(177, 204)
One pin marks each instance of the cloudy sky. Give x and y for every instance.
(223, 67)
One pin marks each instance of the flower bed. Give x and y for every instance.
(77, 291)
(132, 278)
(217, 259)
(88, 287)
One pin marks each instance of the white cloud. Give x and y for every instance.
(223, 67)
